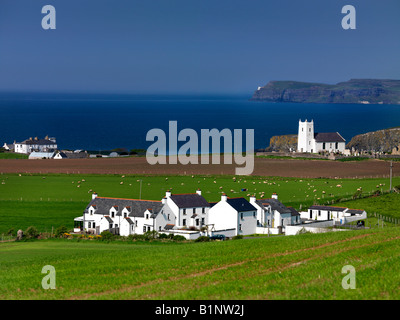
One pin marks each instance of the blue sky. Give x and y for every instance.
(176, 46)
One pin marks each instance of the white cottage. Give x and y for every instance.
(185, 210)
(272, 213)
(40, 145)
(338, 214)
(121, 216)
(233, 213)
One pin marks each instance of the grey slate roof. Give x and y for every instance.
(240, 204)
(137, 207)
(43, 142)
(190, 200)
(355, 211)
(275, 205)
(328, 137)
(293, 211)
(108, 219)
(330, 208)
(129, 220)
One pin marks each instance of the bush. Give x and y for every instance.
(31, 233)
(133, 237)
(202, 239)
(238, 237)
(107, 235)
(11, 232)
(162, 236)
(179, 238)
(60, 231)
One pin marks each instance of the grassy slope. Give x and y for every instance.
(298, 267)
(47, 201)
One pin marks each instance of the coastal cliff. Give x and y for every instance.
(386, 140)
(367, 91)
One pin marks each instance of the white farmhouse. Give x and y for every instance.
(121, 216)
(308, 141)
(233, 213)
(185, 210)
(340, 215)
(272, 213)
(41, 145)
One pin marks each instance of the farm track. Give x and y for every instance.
(262, 167)
(174, 280)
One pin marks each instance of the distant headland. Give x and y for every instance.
(364, 91)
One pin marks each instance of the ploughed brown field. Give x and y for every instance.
(262, 167)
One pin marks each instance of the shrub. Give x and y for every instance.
(149, 235)
(60, 231)
(31, 232)
(162, 236)
(133, 237)
(238, 237)
(106, 235)
(202, 239)
(11, 232)
(178, 238)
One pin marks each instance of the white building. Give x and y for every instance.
(308, 141)
(41, 155)
(40, 145)
(121, 216)
(340, 215)
(272, 213)
(186, 210)
(233, 213)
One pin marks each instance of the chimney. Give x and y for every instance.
(198, 191)
(253, 199)
(168, 194)
(274, 196)
(94, 195)
(164, 200)
(224, 197)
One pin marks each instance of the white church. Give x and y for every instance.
(308, 141)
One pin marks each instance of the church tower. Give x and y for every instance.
(305, 138)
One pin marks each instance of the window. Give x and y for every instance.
(144, 228)
(168, 217)
(184, 222)
(203, 210)
(89, 224)
(132, 227)
(323, 146)
(94, 225)
(125, 214)
(202, 221)
(240, 227)
(254, 214)
(310, 214)
(197, 222)
(319, 213)
(112, 214)
(147, 216)
(110, 226)
(159, 228)
(184, 211)
(194, 210)
(336, 145)
(241, 215)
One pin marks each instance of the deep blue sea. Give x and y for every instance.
(105, 122)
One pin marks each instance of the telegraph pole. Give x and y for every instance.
(391, 171)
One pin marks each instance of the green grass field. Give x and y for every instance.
(307, 266)
(51, 200)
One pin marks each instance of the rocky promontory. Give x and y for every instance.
(366, 91)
